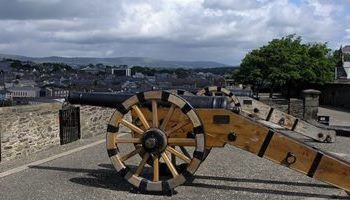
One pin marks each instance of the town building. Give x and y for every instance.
(2, 95)
(56, 92)
(122, 70)
(24, 92)
(345, 53)
(90, 69)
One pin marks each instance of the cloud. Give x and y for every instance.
(219, 30)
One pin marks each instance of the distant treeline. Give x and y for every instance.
(149, 71)
(217, 70)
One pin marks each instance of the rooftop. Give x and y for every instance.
(346, 49)
(23, 88)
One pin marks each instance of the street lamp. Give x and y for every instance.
(3, 83)
(3, 77)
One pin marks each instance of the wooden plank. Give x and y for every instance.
(131, 126)
(277, 147)
(169, 164)
(155, 121)
(334, 171)
(181, 142)
(142, 164)
(167, 117)
(131, 154)
(128, 140)
(262, 111)
(153, 95)
(141, 116)
(156, 169)
(177, 127)
(249, 108)
(217, 133)
(178, 154)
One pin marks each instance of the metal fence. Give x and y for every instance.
(69, 124)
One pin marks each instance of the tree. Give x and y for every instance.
(287, 62)
(16, 64)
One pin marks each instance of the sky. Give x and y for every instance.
(215, 30)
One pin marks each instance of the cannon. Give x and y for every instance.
(269, 116)
(173, 131)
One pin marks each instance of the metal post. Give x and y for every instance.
(336, 73)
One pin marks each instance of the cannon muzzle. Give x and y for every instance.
(112, 100)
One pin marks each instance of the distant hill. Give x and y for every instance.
(217, 70)
(131, 61)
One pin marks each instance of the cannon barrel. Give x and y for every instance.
(112, 100)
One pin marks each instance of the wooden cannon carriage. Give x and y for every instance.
(175, 133)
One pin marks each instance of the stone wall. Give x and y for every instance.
(279, 104)
(28, 129)
(335, 94)
(93, 120)
(25, 130)
(295, 106)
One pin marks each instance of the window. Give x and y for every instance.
(346, 57)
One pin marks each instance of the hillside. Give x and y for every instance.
(131, 61)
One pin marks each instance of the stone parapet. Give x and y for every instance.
(93, 120)
(25, 130)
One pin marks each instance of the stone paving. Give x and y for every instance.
(228, 173)
(338, 116)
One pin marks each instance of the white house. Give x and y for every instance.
(24, 92)
(121, 71)
(346, 60)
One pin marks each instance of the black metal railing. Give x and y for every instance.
(69, 124)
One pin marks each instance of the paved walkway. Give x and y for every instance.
(338, 116)
(228, 173)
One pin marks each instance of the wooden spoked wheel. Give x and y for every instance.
(155, 140)
(136, 120)
(219, 91)
(181, 92)
(178, 118)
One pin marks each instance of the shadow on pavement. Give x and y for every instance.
(266, 191)
(244, 180)
(261, 190)
(108, 178)
(100, 178)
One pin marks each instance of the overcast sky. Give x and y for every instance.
(217, 30)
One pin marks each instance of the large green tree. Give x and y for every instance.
(287, 62)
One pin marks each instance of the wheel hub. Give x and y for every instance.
(154, 141)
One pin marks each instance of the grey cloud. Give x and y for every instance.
(218, 30)
(231, 4)
(57, 9)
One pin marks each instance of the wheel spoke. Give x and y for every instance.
(167, 117)
(181, 142)
(173, 157)
(156, 169)
(128, 140)
(155, 121)
(170, 166)
(131, 154)
(131, 126)
(178, 154)
(177, 127)
(142, 164)
(184, 151)
(141, 116)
